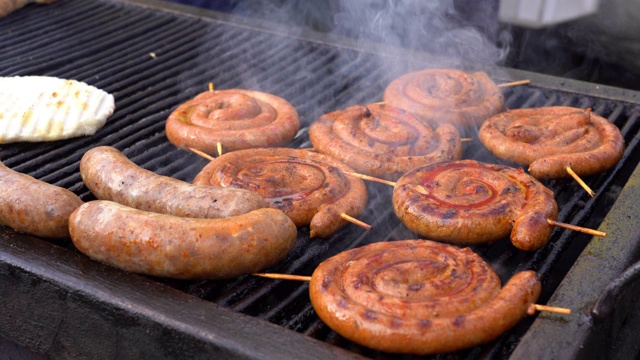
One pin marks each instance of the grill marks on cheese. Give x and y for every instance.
(40, 108)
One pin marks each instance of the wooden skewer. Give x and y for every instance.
(211, 86)
(219, 148)
(371, 178)
(466, 139)
(532, 309)
(582, 183)
(577, 228)
(355, 221)
(515, 83)
(202, 153)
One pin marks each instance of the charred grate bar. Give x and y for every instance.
(154, 56)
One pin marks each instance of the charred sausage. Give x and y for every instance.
(235, 118)
(33, 206)
(467, 202)
(382, 141)
(178, 247)
(311, 188)
(110, 175)
(418, 296)
(550, 139)
(446, 96)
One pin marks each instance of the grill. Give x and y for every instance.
(153, 56)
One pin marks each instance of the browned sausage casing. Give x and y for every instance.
(110, 175)
(383, 141)
(178, 247)
(418, 296)
(549, 139)
(33, 206)
(311, 188)
(467, 202)
(446, 96)
(235, 118)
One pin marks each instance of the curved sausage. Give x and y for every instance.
(110, 175)
(178, 247)
(311, 188)
(550, 139)
(446, 96)
(235, 118)
(467, 202)
(382, 141)
(418, 297)
(33, 206)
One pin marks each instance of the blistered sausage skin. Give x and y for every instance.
(178, 247)
(313, 189)
(550, 139)
(467, 202)
(33, 206)
(383, 141)
(418, 297)
(110, 175)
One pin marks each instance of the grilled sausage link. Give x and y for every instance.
(9, 6)
(178, 247)
(418, 296)
(235, 118)
(33, 206)
(383, 141)
(311, 188)
(467, 202)
(110, 175)
(446, 96)
(550, 139)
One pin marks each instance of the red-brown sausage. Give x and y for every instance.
(110, 175)
(467, 202)
(446, 96)
(550, 139)
(33, 206)
(235, 118)
(382, 141)
(178, 247)
(418, 296)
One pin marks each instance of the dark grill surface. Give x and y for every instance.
(152, 59)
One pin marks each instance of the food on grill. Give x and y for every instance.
(235, 119)
(42, 108)
(418, 296)
(33, 206)
(446, 96)
(467, 202)
(383, 141)
(110, 175)
(178, 247)
(550, 139)
(9, 6)
(311, 188)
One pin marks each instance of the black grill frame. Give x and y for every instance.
(60, 303)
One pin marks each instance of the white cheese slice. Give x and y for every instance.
(42, 108)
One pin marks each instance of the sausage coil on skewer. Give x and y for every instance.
(446, 96)
(311, 188)
(468, 202)
(35, 207)
(235, 118)
(550, 139)
(382, 141)
(178, 247)
(418, 296)
(110, 175)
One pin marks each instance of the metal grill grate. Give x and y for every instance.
(152, 60)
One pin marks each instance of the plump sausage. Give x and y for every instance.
(33, 206)
(110, 175)
(9, 6)
(178, 247)
(418, 297)
(467, 202)
(383, 141)
(311, 188)
(550, 139)
(446, 96)
(235, 118)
